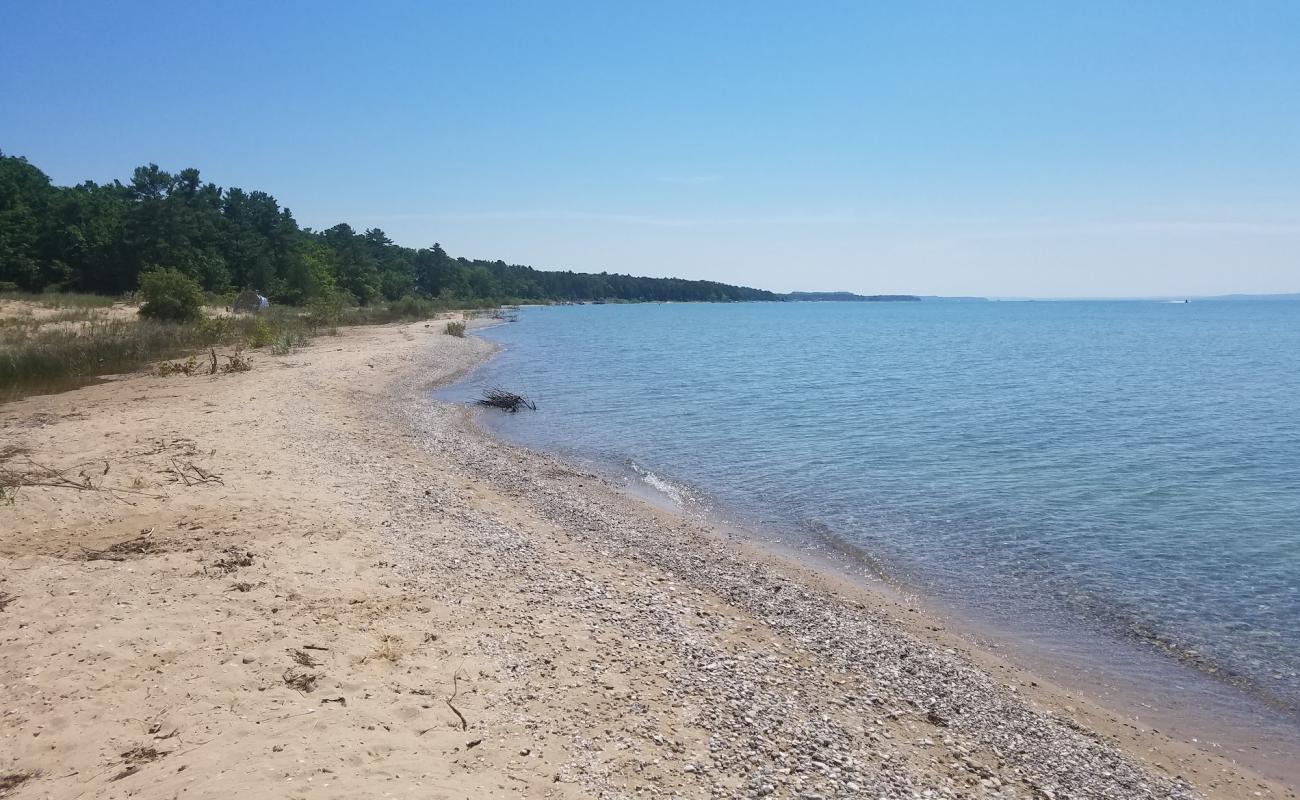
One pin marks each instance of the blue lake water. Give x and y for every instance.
(1124, 472)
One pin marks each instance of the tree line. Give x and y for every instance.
(100, 238)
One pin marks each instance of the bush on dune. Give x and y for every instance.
(170, 295)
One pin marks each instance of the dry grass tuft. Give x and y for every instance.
(60, 299)
(390, 649)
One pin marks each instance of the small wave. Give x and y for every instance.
(824, 535)
(679, 493)
(1124, 622)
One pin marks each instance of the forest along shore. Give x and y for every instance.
(310, 579)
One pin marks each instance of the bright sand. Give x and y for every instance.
(463, 618)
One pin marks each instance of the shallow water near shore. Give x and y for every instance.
(1116, 483)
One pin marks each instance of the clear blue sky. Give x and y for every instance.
(1002, 148)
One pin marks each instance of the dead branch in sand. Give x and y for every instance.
(6, 599)
(496, 397)
(35, 474)
(455, 690)
(139, 546)
(302, 659)
(191, 474)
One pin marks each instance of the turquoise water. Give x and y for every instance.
(1091, 471)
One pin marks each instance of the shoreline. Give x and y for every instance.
(487, 621)
(1231, 715)
(879, 589)
(1123, 678)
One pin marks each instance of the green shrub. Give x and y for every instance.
(325, 311)
(456, 329)
(219, 299)
(216, 330)
(170, 295)
(410, 307)
(287, 340)
(260, 335)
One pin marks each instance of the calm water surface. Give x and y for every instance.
(1109, 477)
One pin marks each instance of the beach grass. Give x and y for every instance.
(76, 345)
(48, 358)
(60, 299)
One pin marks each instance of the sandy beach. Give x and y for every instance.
(313, 580)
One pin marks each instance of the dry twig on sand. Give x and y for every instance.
(455, 690)
(11, 781)
(141, 545)
(301, 680)
(10, 451)
(302, 658)
(35, 474)
(191, 474)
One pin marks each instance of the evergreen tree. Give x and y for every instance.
(101, 238)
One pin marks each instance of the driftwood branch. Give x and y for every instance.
(35, 474)
(191, 474)
(496, 397)
(455, 690)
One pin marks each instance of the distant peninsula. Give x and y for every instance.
(849, 297)
(1288, 296)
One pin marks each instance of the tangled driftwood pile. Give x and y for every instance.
(506, 401)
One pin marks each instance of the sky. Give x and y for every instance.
(954, 148)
